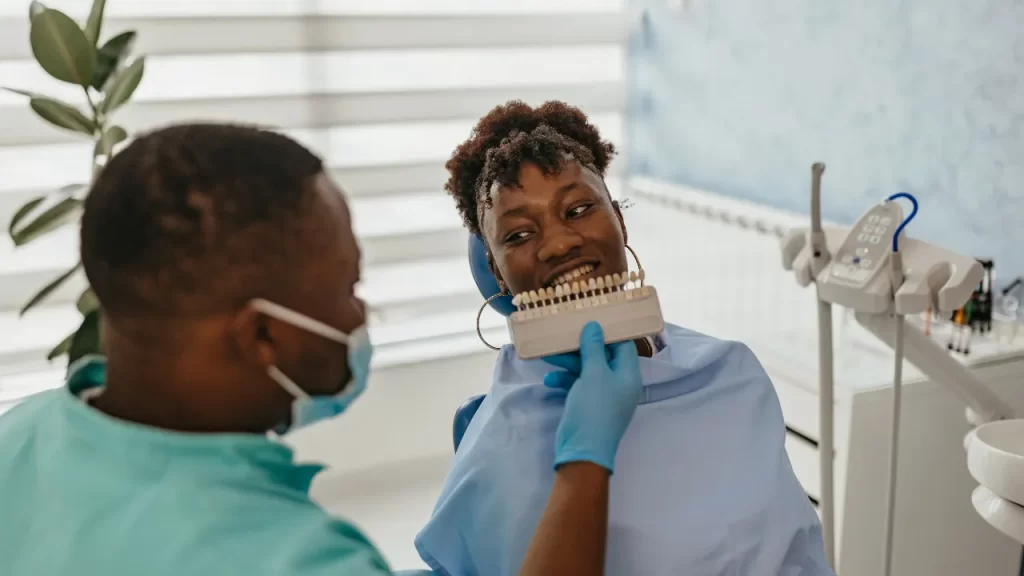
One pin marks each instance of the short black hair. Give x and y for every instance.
(195, 218)
(516, 133)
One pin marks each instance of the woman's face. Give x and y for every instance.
(554, 228)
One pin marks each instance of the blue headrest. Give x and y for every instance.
(485, 280)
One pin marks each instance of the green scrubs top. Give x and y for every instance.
(82, 493)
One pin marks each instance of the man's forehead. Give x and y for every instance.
(332, 195)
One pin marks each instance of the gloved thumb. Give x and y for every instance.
(625, 357)
(592, 344)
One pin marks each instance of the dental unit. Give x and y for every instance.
(883, 276)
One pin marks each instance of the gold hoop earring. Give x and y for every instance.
(637, 260)
(480, 313)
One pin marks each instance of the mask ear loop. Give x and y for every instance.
(480, 313)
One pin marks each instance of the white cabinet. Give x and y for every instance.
(937, 532)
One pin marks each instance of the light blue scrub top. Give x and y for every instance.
(82, 493)
(702, 482)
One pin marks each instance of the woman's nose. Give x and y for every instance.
(558, 242)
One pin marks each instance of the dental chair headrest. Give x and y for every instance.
(485, 280)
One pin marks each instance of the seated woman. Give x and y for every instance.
(702, 482)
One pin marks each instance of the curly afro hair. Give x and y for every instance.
(515, 133)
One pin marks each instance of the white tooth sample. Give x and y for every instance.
(535, 298)
(525, 299)
(516, 299)
(551, 295)
(592, 285)
(576, 288)
(641, 275)
(632, 276)
(576, 273)
(558, 292)
(600, 283)
(617, 279)
(608, 282)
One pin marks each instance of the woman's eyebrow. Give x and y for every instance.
(567, 187)
(517, 211)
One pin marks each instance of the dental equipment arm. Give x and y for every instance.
(819, 260)
(936, 363)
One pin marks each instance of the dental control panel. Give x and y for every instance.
(549, 321)
(857, 275)
(866, 248)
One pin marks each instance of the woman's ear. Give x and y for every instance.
(494, 270)
(622, 223)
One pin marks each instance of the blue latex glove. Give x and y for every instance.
(604, 386)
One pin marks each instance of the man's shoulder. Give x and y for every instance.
(310, 543)
(26, 416)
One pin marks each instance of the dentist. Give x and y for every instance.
(225, 264)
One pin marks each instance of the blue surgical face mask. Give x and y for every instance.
(307, 409)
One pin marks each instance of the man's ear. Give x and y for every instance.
(251, 334)
(622, 223)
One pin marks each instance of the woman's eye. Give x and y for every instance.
(580, 210)
(516, 237)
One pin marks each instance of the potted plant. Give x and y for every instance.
(108, 76)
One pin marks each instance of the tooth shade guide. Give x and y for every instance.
(626, 313)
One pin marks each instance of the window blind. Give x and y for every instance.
(383, 90)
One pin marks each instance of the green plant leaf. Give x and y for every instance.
(62, 115)
(64, 212)
(112, 137)
(62, 348)
(87, 302)
(61, 47)
(35, 9)
(95, 21)
(110, 57)
(122, 85)
(49, 289)
(22, 213)
(87, 338)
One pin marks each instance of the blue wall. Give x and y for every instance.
(741, 96)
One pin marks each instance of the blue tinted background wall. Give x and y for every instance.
(739, 97)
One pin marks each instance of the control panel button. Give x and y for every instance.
(862, 238)
(885, 221)
(847, 258)
(866, 263)
(862, 251)
(875, 239)
(873, 218)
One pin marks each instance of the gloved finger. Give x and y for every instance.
(592, 348)
(559, 379)
(570, 361)
(624, 356)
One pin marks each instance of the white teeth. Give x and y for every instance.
(574, 274)
(576, 289)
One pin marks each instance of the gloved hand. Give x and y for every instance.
(604, 386)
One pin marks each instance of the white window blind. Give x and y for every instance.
(382, 89)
